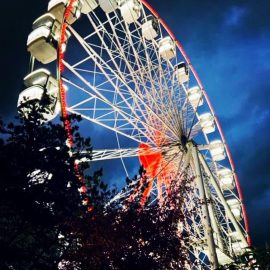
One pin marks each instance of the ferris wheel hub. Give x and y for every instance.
(183, 142)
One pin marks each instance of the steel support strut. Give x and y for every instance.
(205, 211)
(223, 200)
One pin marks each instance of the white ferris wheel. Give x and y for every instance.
(121, 68)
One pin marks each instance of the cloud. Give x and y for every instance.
(248, 136)
(235, 15)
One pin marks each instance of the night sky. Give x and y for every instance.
(228, 43)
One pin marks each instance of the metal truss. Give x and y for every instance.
(117, 81)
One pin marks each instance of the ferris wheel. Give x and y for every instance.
(119, 67)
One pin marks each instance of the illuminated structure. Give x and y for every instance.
(121, 68)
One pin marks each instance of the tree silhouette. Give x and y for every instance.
(39, 200)
(130, 237)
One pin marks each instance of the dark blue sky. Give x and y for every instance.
(228, 43)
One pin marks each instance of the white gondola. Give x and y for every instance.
(223, 258)
(182, 72)
(37, 84)
(42, 41)
(167, 48)
(108, 5)
(58, 7)
(89, 5)
(217, 150)
(225, 177)
(234, 236)
(130, 10)
(235, 206)
(150, 29)
(237, 245)
(207, 122)
(194, 95)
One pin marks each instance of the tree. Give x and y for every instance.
(39, 200)
(133, 237)
(262, 257)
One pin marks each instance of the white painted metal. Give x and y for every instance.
(143, 86)
(223, 258)
(57, 9)
(90, 5)
(30, 94)
(182, 72)
(217, 150)
(38, 83)
(130, 10)
(235, 206)
(206, 215)
(39, 77)
(195, 96)
(150, 29)
(109, 154)
(207, 123)
(237, 226)
(127, 80)
(226, 179)
(42, 41)
(43, 78)
(108, 5)
(167, 48)
(238, 247)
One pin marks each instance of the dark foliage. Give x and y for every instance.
(134, 238)
(39, 200)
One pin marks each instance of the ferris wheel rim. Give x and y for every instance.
(147, 5)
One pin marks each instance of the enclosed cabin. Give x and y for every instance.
(226, 179)
(89, 5)
(236, 208)
(43, 41)
(41, 88)
(167, 48)
(108, 6)
(194, 95)
(150, 29)
(130, 10)
(182, 72)
(207, 122)
(217, 150)
(58, 7)
(238, 247)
